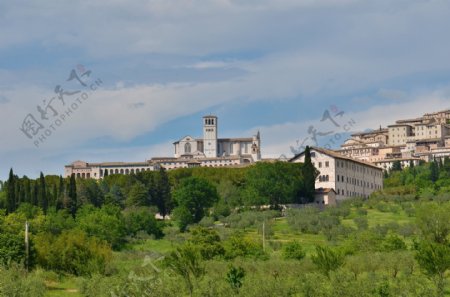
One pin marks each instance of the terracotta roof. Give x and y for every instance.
(325, 190)
(335, 155)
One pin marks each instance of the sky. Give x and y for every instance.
(122, 80)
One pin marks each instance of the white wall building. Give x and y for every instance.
(212, 151)
(83, 169)
(346, 176)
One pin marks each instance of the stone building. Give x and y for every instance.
(426, 137)
(83, 169)
(208, 151)
(212, 151)
(348, 177)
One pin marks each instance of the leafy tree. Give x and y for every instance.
(235, 277)
(194, 196)
(434, 259)
(273, 183)
(105, 223)
(327, 260)
(72, 252)
(186, 262)
(142, 219)
(434, 221)
(208, 242)
(138, 195)
(12, 248)
(293, 251)
(239, 246)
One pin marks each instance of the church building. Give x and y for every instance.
(212, 151)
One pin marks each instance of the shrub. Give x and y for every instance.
(16, 281)
(293, 251)
(72, 252)
(142, 219)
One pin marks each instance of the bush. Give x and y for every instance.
(142, 219)
(239, 246)
(72, 252)
(293, 251)
(106, 223)
(16, 281)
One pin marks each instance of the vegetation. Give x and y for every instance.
(225, 234)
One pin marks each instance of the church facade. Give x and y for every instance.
(212, 151)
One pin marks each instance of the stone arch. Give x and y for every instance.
(127, 171)
(187, 148)
(121, 171)
(78, 175)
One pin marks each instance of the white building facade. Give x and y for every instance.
(346, 176)
(83, 169)
(212, 151)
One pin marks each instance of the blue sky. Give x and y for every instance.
(268, 65)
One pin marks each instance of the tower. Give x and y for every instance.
(210, 136)
(256, 147)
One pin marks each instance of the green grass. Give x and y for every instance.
(65, 287)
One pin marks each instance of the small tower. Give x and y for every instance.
(256, 147)
(210, 136)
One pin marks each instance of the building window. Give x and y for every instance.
(327, 164)
(320, 164)
(313, 154)
(187, 148)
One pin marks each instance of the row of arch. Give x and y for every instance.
(324, 178)
(123, 171)
(112, 171)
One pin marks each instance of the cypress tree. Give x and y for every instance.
(34, 199)
(42, 193)
(162, 195)
(309, 176)
(61, 194)
(72, 195)
(434, 171)
(11, 196)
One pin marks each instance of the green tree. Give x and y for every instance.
(138, 195)
(11, 193)
(273, 183)
(293, 251)
(208, 242)
(434, 259)
(235, 277)
(434, 171)
(194, 196)
(72, 204)
(186, 262)
(433, 220)
(162, 194)
(42, 193)
(327, 260)
(396, 166)
(105, 223)
(142, 219)
(309, 176)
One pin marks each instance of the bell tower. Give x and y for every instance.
(210, 136)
